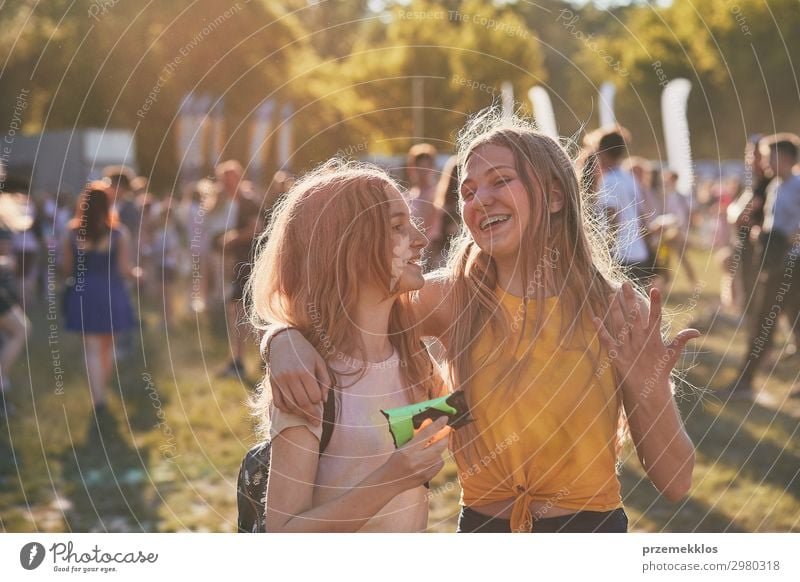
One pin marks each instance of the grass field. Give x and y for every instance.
(168, 459)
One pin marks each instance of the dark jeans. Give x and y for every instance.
(470, 521)
(745, 266)
(776, 295)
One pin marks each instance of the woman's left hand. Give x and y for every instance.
(631, 335)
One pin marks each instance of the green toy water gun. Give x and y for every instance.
(405, 420)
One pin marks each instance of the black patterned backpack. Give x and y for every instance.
(251, 489)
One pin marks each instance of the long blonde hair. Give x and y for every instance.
(568, 241)
(329, 234)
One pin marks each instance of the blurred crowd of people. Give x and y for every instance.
(764, 252)
(117, 238)
(636, 205)
(750, 222)
(96, 258)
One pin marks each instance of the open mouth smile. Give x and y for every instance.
(491, 221)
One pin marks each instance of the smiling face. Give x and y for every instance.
(495, 205)
(406, 243)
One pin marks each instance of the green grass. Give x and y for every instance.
(58, 472)
(172, 471)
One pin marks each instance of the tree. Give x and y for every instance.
(739, 56)
(460, 51)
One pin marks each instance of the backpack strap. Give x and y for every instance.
(328, 421)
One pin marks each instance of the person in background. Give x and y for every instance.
(96, 257)
(129, 212)
(119, 179)
(28, 245)
(620, 203)
(230, 219)
(422, 178)
(650, 206)
(713, 235)
(191, 217)
(221, 213)
(55, 214)
(670, 229)
(446, 206)
(46, 212)
(716, 234)
(166, 247)
(746, 215)
(649, 197)
(281, 183)
(140, 185)
(14, 325)
(780, 237)
(237, 252)
(64, 203)
(147, 206)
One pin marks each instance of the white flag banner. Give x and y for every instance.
(217, 140)
(202, 112)
(196, 132)
(259, 135)
(507, 99)
(186, 133)
(674, 100)
(286, 136)
(543, 111)
(607, 93)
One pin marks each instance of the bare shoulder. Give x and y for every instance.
(294, 457)
(299, 436)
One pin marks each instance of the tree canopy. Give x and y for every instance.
(356, 71)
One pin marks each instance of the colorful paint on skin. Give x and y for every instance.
(401, 254)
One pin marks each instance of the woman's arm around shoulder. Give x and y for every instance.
(433, 304)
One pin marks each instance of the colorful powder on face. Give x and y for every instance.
(401, 254)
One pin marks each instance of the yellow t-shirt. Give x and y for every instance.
(552, 435)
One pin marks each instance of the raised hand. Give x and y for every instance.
(632, 337)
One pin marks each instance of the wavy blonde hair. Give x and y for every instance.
(583, 271)
(328, 235)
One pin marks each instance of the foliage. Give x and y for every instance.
(348, 67)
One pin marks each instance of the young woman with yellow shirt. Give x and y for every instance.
(557, 354)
